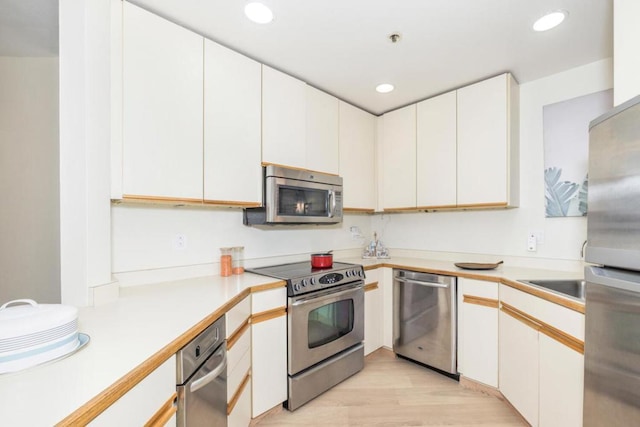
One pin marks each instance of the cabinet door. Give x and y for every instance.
(372, 313)
(268, 349)
(357, 157)
(284, 101)
(485, 132)
(269, 366)
(322, 131)
(399, 158)
(232, 112)
(436, 151)
(561, 384)
(518, 346)
(386, 282)
(478, 331)
(162, 107)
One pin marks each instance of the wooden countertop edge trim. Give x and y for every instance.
(103, 400)
(163, 414)
(236, 396)
(548, 296)
(545, 328)
(573, 305)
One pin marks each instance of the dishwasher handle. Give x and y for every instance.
(421, 283)
(215, 373)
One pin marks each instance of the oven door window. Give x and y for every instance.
(330, 322)
(298, 201)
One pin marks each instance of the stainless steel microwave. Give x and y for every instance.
(293, 196)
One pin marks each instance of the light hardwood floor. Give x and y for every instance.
(395, 392)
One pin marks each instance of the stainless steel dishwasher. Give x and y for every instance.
(425, 320)
(202, 379)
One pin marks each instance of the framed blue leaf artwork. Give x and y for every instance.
(566, 152)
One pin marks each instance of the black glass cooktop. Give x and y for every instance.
(297, 269)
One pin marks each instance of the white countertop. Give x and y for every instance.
(123, 335)
(145, 319)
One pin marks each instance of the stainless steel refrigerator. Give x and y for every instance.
(612, 325)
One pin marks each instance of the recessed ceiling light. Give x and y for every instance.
(258, 13)
(384, 88)
(550, 20)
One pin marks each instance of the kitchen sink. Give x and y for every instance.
(571, 288)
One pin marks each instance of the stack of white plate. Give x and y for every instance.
(32, 333)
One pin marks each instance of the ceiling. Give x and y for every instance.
(342, 46)
(28, 28)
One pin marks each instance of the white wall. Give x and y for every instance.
(504, 232)
(626, 34)
(29, 218)
(143, 237)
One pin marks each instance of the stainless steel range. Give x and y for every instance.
(325, 318)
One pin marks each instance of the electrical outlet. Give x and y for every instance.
(532, 244)
(180, 242)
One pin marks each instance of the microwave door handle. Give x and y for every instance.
(332, 203)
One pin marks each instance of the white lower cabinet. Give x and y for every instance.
(541, 359)
(372, 313)
(239, 364)
(385, 281)
(268, 349)
(519, 366)
(561, 384)
(478, 330)
(146, 402)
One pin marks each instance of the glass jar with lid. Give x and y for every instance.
(238, 260)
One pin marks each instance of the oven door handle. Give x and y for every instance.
(420, 282)
(307, 299)
(201, 382)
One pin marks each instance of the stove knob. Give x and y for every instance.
(313, 281)
(361, 273)
(303, 282)
(296, 287)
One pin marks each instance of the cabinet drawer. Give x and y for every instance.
(238, 350)
(236, 374)
(562, 318)
(478, 288)
(238, 315)
(268, 300)
(240, 412)
(371, 276)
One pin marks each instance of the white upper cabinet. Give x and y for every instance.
(162, 108)
(284, 115)
(487, 173)
(322, 131)
(436, 152)
(232, 119)
(399, 159)
(357, 157)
